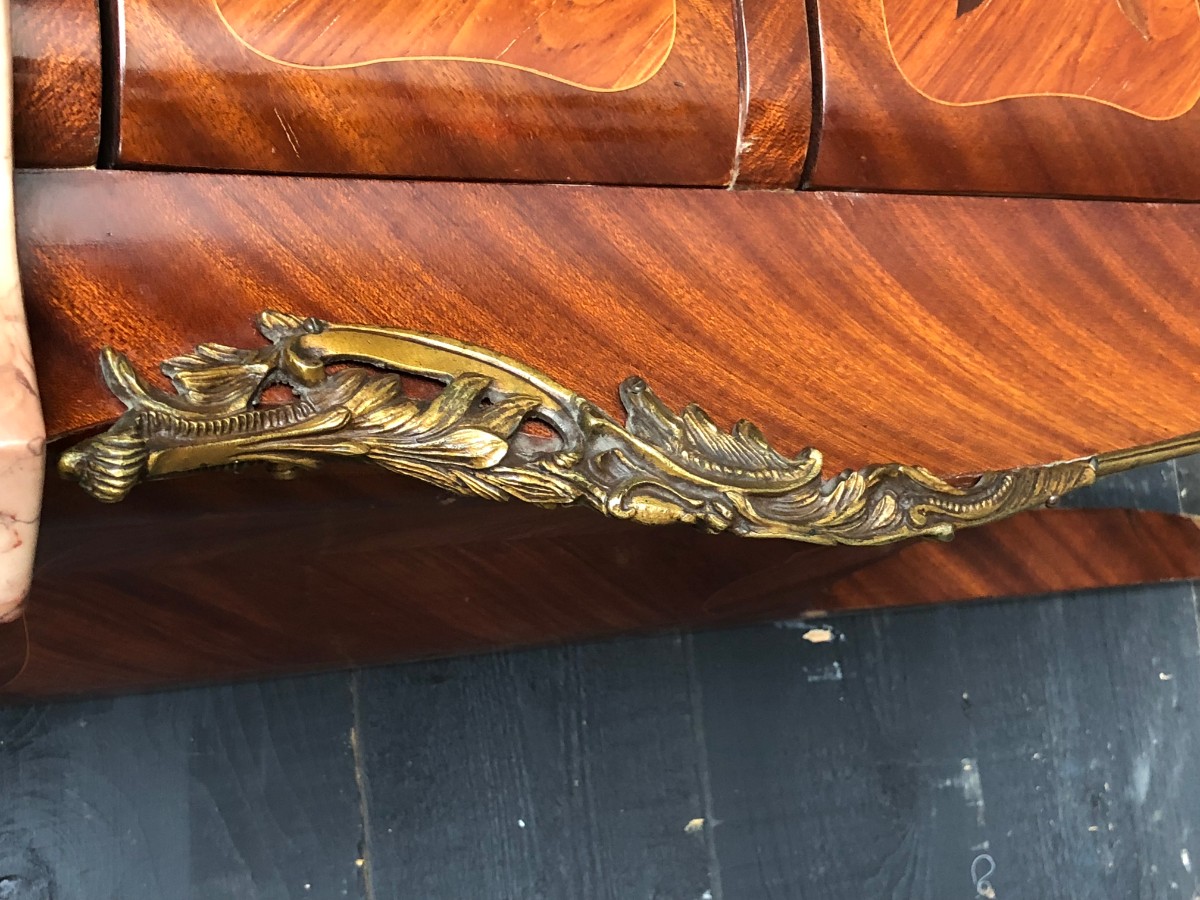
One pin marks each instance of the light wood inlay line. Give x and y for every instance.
(1142, 60)
(605, 47)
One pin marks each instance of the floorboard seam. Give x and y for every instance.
(696, 697)
(360, 781)
(1196, 612)
(1182, 509)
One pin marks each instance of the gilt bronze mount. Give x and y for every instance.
(351, 397)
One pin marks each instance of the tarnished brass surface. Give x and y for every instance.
(474, 436)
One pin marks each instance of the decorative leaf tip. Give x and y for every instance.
(274, 325)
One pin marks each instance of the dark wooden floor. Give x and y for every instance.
(1037, 748)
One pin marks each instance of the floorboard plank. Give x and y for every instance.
(1061, 736)
(243, 792)
(560, 774)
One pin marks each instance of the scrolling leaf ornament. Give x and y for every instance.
(352, 396)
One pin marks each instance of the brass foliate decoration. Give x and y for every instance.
(351, 397)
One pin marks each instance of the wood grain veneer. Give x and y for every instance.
(959, 333)
(778, 98)
(198, 92)
(56, 83)
(1100, 98)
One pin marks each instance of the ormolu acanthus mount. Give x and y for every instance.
(659, 467)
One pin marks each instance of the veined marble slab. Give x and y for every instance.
(22, 430)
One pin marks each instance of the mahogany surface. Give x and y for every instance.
(957, 333)
(56, 83)
(224, 575)
(597, 93)
(1085, 98)
(778, 101)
